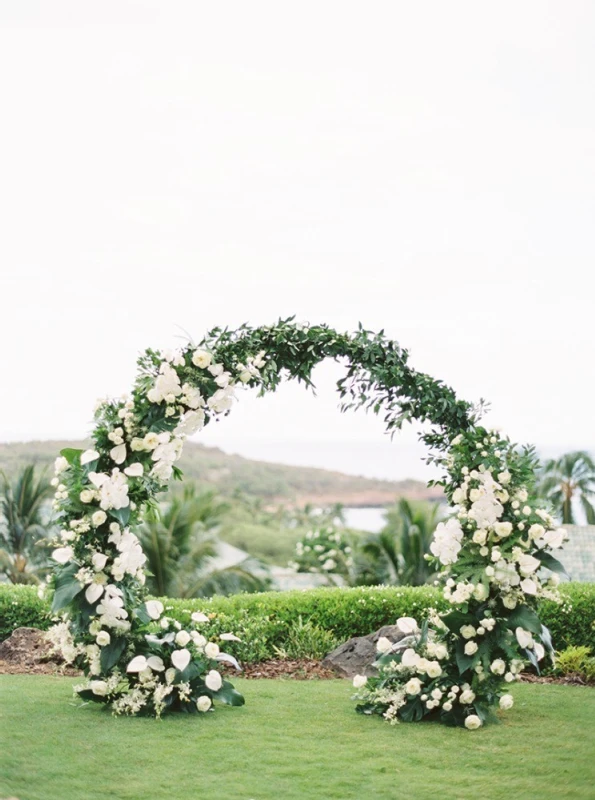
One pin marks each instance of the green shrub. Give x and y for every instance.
(20, 607)
(572, 622)
(571, 659)
(263, 621)
(307, 640)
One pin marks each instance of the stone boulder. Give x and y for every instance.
(356, 656)
(27, 650)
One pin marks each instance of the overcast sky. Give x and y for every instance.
(427, 168)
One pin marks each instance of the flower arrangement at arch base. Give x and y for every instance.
(458, 665)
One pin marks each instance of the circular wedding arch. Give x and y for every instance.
(455, 665)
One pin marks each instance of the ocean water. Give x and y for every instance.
(365, 519)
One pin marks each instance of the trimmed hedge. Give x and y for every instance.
(262, 620)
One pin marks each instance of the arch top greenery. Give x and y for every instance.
(454, 666)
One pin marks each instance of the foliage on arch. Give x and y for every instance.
(139, 661)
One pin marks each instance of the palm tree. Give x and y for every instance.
(566, 479)
(23, 559)
(179, 540)
(396, 554)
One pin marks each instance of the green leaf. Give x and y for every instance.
(111, 653)
(456, 619)
(524, 617)
(121, 514)
(227, 694)
(71, 454)
(551, 563)
(141, 614)
(464, 661)
(66, 587)
(546, 638)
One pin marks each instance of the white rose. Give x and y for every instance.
(202, 359)
(98, 518)
(151, 440)
(480, 536)
(471, 648)
(440, 652)
(433, 669)
(467, 697)
(182, 638)
(359, 681)
(468, 631)
(503, 529)
(413, 686)
(498, 666)
(536, 531)
(211, 650)
(60, 464)
(213, 680)
(506, 702)
(198, 639)
(458, 496)
(407, 625)
(87, 496)
(384, 645)
(204, 703)
(103, 638)
(447, 706)
(509, 601)
(480, 592)
(99, 688)
(504, 477)
(472, 722)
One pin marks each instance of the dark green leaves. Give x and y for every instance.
(111, 653)
(227, 694)
(524, 617)
(71, 454)
(551, 563)
(66, 586)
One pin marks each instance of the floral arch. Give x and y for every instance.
(454, 666)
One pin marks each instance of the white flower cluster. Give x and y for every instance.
(96, 500)
(322, 550)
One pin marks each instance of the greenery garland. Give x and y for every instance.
(140, 661)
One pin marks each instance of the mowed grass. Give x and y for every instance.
(292, 740)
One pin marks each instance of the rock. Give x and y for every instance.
(356, 656)
(26, 647)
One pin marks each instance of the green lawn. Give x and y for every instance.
(292, 740)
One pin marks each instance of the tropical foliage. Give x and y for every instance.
(24, 524)
(180, 542)
(568, 482)
(397, 555)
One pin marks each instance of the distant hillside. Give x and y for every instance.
(274, 483)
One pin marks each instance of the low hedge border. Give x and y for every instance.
(262, 620)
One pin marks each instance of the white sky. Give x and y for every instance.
(425, 167)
